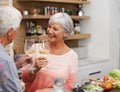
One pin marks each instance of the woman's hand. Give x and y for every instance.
(40, 62)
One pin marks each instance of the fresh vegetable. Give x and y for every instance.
(93, 88)
(108, 86)
(115, 74)
(101, 85)
(105, 78)
(117, 84)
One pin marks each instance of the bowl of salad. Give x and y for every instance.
(92, 86)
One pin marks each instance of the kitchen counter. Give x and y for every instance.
(114, 90)
(79, 89)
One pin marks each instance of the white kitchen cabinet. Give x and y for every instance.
(114, 29)
(92, 69)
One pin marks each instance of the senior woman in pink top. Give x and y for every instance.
(62, 60)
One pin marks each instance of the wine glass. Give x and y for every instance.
(44, 49)
(29, 49)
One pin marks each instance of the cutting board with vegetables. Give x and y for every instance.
(108, 83)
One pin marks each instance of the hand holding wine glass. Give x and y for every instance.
(29, 49)
(43, 50)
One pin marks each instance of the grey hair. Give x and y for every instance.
(65, 20)
(10, 17)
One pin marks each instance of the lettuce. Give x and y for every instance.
(115, 73)
(93, 88)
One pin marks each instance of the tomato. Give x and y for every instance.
(108, 86)
(101, 85)
(105, 78)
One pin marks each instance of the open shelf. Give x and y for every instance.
(71, 37)
(78, 36)
(61, 1)
(22, 5)
(48, 16)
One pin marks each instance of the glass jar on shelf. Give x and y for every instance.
(77, 27)
(80, 10)
(39, 30)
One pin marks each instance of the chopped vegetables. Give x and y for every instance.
(93, 88)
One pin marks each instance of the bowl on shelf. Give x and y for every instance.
(36, 11)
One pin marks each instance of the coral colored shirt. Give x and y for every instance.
(65, 66)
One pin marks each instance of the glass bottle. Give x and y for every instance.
(58, 85)
(27, 29)
(77, 27)
(80, 11)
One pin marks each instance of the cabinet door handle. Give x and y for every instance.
(95, 73)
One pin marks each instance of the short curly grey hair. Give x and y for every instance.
(65, 20)
(10, 17)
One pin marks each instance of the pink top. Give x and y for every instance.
(65, 66)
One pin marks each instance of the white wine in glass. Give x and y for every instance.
(30, 52)
(44, 49)
(29, 49)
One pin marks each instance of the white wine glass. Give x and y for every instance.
(44, 49)
(29, 49)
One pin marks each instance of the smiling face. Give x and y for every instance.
(55, 32)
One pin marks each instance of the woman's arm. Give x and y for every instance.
(28, 75)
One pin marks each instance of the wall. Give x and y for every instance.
(98, 45)
(104, 27)
(114, 29)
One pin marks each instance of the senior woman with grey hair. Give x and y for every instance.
(10, 19)
(62, 60)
